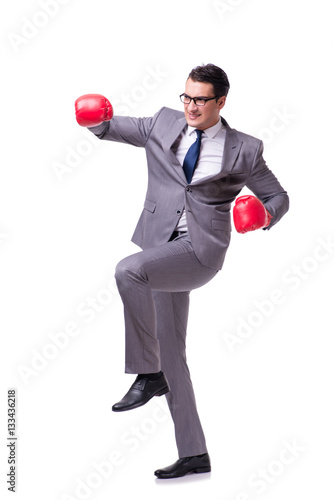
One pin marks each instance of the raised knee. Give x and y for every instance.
(125, 269)
(121, 271)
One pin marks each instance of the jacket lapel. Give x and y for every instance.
(231, 150)
(172, 133)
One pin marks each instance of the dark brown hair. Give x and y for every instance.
(209, 73)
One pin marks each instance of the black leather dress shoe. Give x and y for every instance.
(186, 465)
(141, 391)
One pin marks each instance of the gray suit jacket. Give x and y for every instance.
(207, 201)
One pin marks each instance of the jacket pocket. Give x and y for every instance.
(150, 205)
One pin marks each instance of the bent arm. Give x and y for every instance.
(266, 187)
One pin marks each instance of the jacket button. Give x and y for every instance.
(188, 189)
(178, 211)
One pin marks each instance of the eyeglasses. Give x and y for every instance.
(198, 101)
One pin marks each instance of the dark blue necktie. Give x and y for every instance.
(191, 158)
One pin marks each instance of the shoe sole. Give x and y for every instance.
(198, 470)
(203, 469)
(162, 392)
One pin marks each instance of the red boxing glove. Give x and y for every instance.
(92, 110)
(250, 214)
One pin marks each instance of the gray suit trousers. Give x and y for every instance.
(154, 285)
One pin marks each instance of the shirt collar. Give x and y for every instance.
(210, 132)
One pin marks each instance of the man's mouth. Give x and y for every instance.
(193, 116)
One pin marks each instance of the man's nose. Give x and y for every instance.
(192, 106)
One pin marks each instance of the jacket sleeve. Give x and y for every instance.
(134, 131)
(263, 183)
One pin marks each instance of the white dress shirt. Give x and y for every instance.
(210, 158)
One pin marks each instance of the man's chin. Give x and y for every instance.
(193, 122)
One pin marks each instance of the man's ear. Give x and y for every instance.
(221, 101)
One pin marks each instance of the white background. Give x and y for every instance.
(62, 235)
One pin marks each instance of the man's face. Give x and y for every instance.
(202, 117)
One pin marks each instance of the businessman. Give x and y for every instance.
(197, 166)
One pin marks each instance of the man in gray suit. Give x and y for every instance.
(197, 165)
